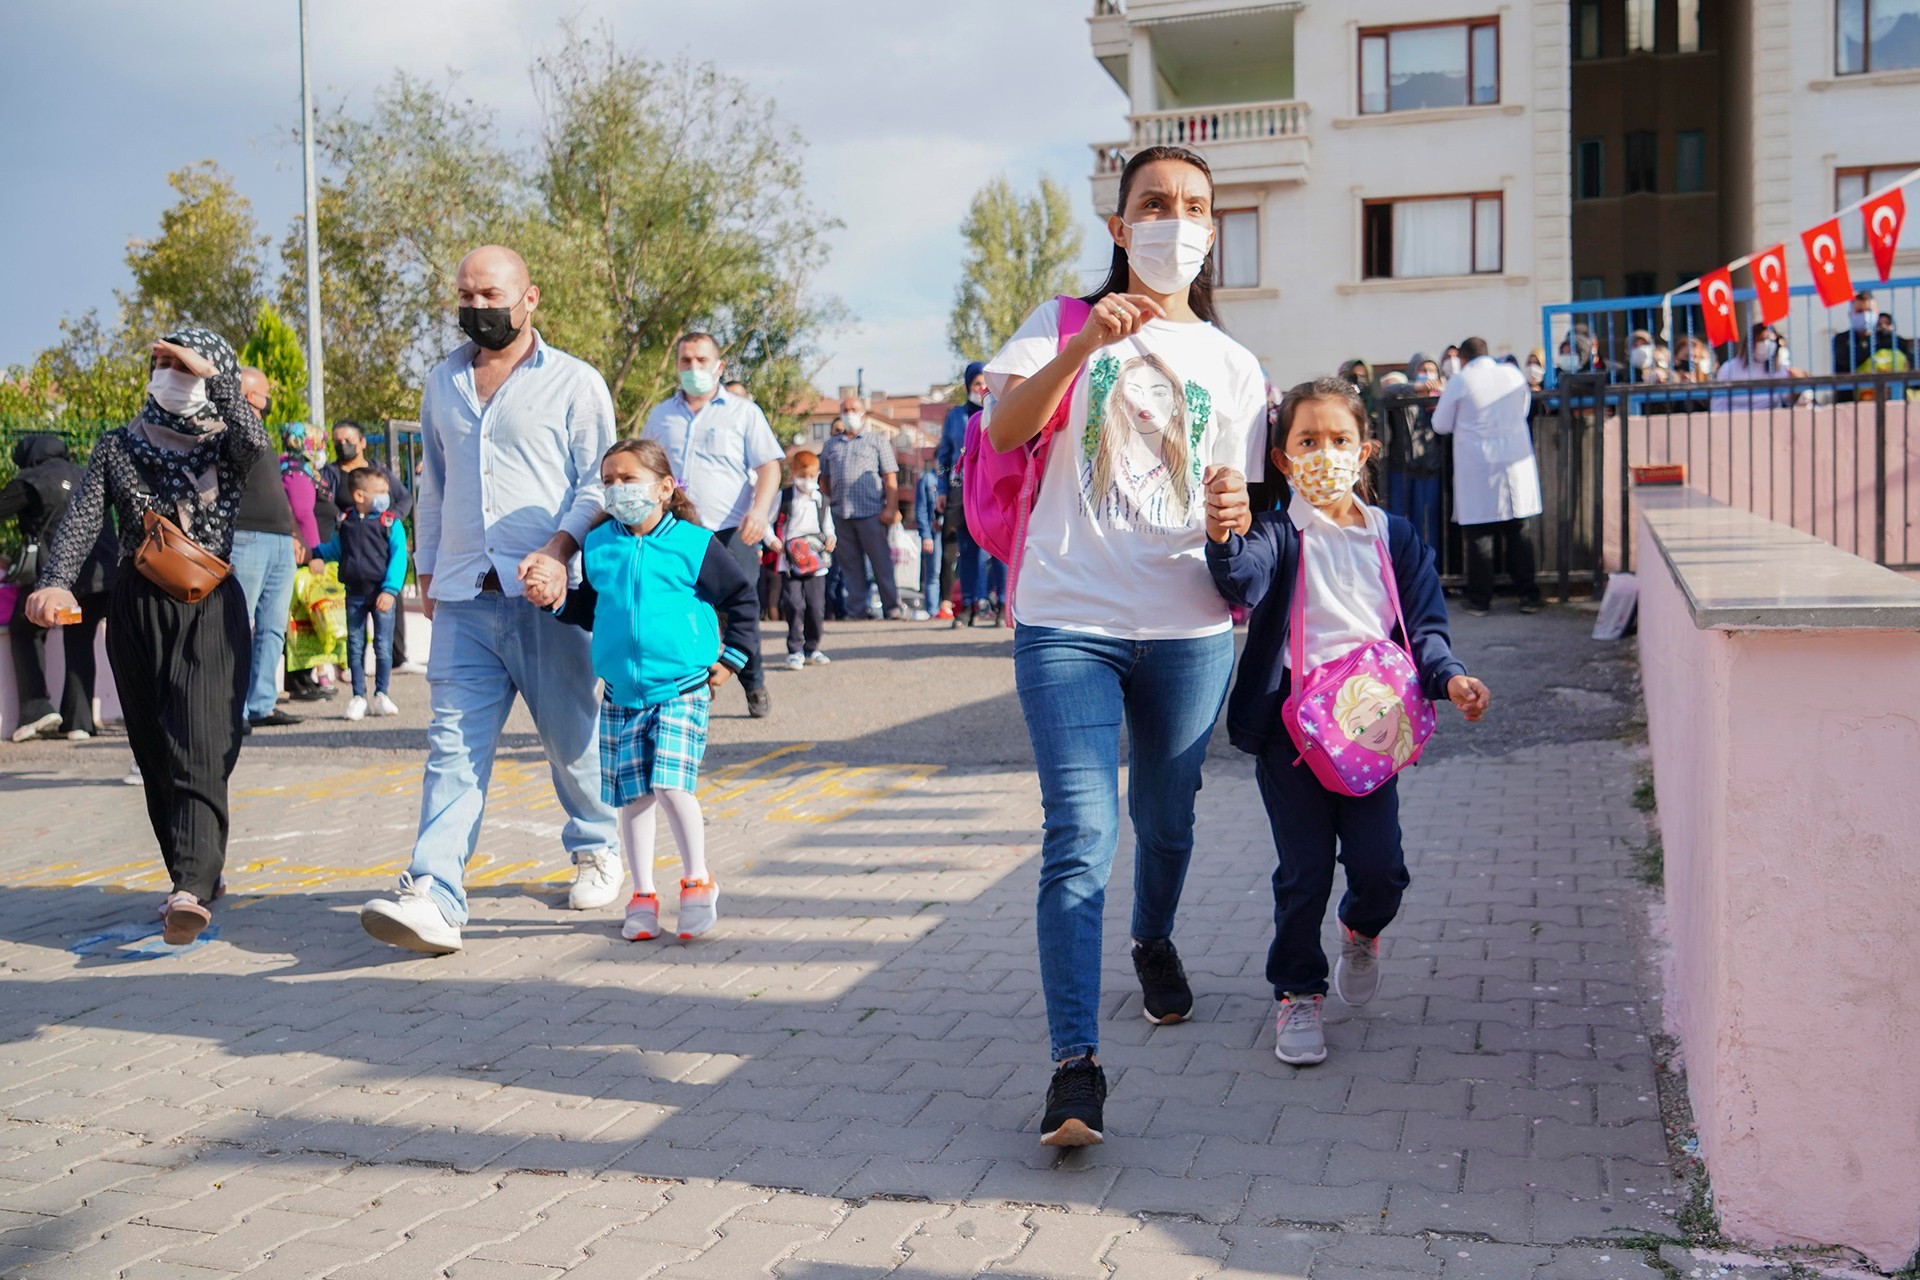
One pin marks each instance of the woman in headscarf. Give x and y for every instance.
(181, 667)
(1358, 372)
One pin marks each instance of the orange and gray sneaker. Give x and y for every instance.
(699, 907)
(643, 918)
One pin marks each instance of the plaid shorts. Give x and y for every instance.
(647, 749)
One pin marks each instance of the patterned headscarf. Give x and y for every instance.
(215, 349)
(301, 443)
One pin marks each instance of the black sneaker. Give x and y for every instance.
(1165, 995)
(759, 703)
(1076, 1106)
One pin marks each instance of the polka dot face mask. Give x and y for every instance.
(1325, 476)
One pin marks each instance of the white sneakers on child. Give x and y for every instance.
(643, 918)
(699, 908)
(382, 705)
(412, 919)
(356, 708)
(818, 659)
(597, 877)
(795, 662)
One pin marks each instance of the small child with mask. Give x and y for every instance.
(370, 547)
(1319, 443)
(803, 537)
(654, 586)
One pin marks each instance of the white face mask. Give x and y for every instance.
(1764, 350)
(1167, 253)
(806, 484)
(1450, 366)
(1567, 362)
(178, 391)
(1534, 370)
(1640, 357)
(854, 420)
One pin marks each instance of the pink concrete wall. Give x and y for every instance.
(1811, 469)
(1785, 767)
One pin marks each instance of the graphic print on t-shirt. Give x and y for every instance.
(1140, 453)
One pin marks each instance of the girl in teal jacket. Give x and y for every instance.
(653, 586)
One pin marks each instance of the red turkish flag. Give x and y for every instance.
(1716, 302)
(1770, 280)
(1830, 274)
(1884, 217)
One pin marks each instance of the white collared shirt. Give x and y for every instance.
(715, 453)
(1347, 603)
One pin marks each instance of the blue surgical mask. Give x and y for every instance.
(380, 502)
(1860, 321)
(630, 504)
(698, 382)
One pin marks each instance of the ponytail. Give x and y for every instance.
(650, 455)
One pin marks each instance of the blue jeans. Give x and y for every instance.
(930, 575)
(1076, 690)
(263, 562)
(359, 609)
(484, 651)
(1418, 499)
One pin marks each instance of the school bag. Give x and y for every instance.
(997, 489)
(1361, 718)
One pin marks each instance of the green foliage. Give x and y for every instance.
(274, 349)
(1020, 252)
(205, 264)
(671, 199)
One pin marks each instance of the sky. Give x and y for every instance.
(907, 108)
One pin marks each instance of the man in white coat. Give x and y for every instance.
(1496, 483)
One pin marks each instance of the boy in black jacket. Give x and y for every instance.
(371, 548)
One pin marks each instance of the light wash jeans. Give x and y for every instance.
(485, 650)
(264, 564)
(1076, 691)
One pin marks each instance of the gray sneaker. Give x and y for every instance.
(699, 908)
(1356, 974)
(1298, 1039)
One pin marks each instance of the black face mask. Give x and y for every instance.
(491, 327)
(345, 450)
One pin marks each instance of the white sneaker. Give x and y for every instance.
(818, 659)
(921, 615)
(411, 669)
(78, 735)
(382, 705)
(597, 877)
(412, 919)
(34, 728)
(133, 778)
(357, 708)
(795, 662)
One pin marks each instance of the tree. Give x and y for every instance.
(274, 349)
(672, 199)
(1020, 252)
(205, 264)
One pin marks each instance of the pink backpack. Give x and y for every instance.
(998, 488)
(1361, 718)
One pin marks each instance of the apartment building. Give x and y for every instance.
(1391, 175)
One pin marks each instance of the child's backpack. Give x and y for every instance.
(807, 554)
(1361, 718)
(998, 488)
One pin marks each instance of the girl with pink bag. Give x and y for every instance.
(1346, 594)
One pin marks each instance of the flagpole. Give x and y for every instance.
(316, 381)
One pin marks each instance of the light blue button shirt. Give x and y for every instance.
(715, 452)
(500, 479)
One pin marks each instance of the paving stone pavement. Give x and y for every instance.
(843, 1081)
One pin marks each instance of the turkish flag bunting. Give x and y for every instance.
(1829, 264)
(1884, 217)
(1716, 302)
(1770, 280)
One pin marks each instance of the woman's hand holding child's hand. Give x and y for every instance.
(1228, 511)
(718, 674)
(1469, 695)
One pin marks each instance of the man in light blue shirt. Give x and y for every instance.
(726, 457)
(513, 431)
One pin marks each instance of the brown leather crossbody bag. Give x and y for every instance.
(175, 563)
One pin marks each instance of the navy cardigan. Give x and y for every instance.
(1259, 571)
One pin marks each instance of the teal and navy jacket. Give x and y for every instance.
(371, 551)
(650, 601)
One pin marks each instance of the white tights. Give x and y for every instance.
(637, 826)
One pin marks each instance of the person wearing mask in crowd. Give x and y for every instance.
(861, 479)
(350, 454)
(44, 482)
(1891, 354)
(1117, 620)
(1853, 346)
(721, 448)
(512, 431)
(803, 538)
(1696, 362)
(1360, 374)
(1496, 482)
(926, 521)
(960, 554)
(1414, 452)
(267, 551)
(1764, 358)
(1449, 363)
(1535, 368)
(371, 550)
(180, 665)
(315, 518)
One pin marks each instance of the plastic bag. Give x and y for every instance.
(1617, 607)
(903, 548)
(317, 631)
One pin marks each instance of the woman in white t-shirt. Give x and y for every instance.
(1118, 619)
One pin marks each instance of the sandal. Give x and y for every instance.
(184, 920)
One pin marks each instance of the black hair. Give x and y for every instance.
(361, 479)
(1337, 390)
(1473, 349)
(1120, 275)
(349, 422)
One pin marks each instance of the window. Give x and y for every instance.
(1236, 248)
(1640, 26)
(1590, 169)
(1687, 37)
(1454, 64)
(1586, 33)
(1850, 185)
(1642, 162)
(1639, 284)
(1876, 35)
(1690, 160)
(1432, 236)
(1590, 289)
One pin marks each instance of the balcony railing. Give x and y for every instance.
(1197, 127)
